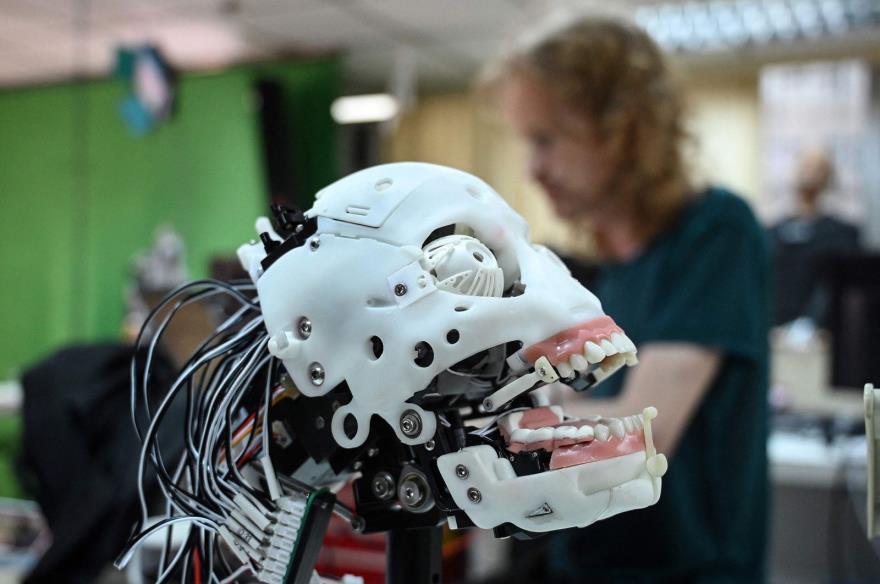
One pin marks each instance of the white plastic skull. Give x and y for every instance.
(412, 269)
(364, 276)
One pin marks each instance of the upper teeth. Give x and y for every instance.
(614, 351)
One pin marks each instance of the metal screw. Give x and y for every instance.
(461, 471)
(358, 524)
(488, 404)
(372, 452)
(429, 445)
(400, 289)
(474, 495)
(383, 486)
(542, 371)
(316, 373)
(410, 423)
(305, 327)
(411, 492)
(314, 244)
(319, 423)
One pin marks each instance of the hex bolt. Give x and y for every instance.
(461, 471)
(474, 495)
(316, 373)
(400, 289)
(305, 327)
(410, 423)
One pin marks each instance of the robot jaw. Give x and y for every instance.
(556, 472)
(531, 468)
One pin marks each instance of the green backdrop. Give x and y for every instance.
(80, 195)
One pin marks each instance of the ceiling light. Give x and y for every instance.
(360, 109)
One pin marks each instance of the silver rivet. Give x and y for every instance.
(474, 495)
(319, 423)
(383, 486)
(429, 445)
(316, 373)
(400, 289)
(314, 244)
(461, 471)
(305, 327)
(410, 423)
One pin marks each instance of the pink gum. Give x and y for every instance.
(563, 345)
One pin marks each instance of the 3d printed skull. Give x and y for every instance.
(417, 290)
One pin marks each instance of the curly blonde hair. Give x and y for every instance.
(613, 72)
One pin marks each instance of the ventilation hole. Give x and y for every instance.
(376, 347)
(478, 256)
(462, 308)
(350, 426)
(384, 184)
(475, 193)
(424, 354)
(452, 337)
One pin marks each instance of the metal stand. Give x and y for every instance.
(414, 556)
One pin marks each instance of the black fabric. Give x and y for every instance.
(80, 454)
(798, 248)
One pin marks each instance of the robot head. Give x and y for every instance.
(412, 292)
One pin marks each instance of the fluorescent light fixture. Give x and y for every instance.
(360, 109)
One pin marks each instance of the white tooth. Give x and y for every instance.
(510, 422)
(563, 432)
(623, 341)
(629, 425)
(602, 432)
(594, 352)
(617, 428)
(521, 435)
(584, 433)
(540, 435)
(565, 370)
(608, 347)
(637, 421)
(631, 359)
(578, 363)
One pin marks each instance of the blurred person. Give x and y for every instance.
(801, 242)
(683, 271)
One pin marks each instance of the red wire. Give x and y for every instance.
(197, 567)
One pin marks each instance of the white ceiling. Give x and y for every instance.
(45, 41)
(50, 40)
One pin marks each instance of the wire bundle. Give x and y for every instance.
(226, 388)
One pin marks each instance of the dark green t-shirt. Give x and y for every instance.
(704, 281)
